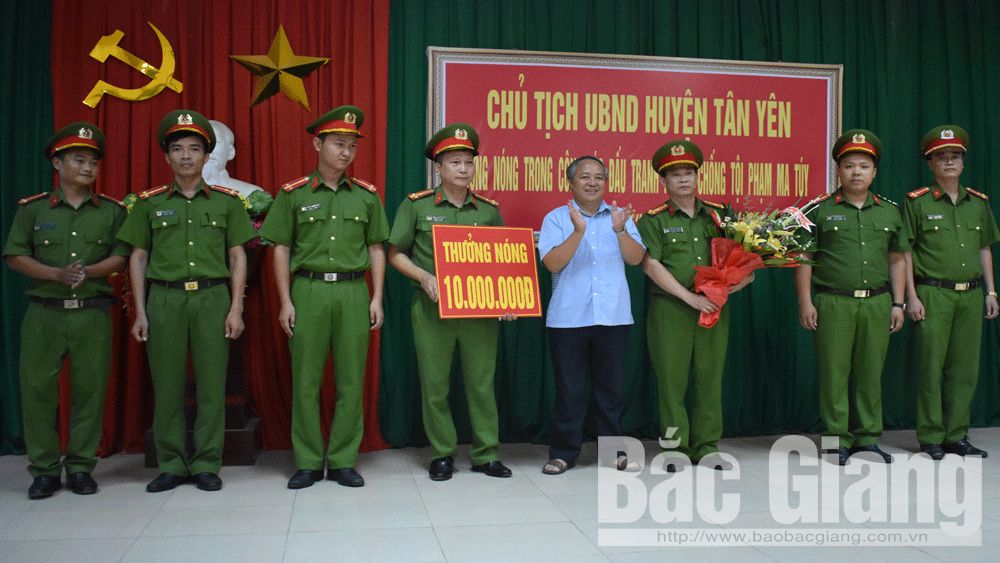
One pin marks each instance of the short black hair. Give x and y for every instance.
(182, 134)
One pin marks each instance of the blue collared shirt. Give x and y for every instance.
(591, 290)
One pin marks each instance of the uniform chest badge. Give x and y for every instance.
(312, 207)
(935, 217)
(166, 212)
(435, 218)
(45, 226)
(836, 218)
(673, 229)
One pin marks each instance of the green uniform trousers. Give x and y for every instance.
(682, 351)
(48, 335)
(181, 322)
(328, 315)
(435, 340)
(852, 338)
(947, 345)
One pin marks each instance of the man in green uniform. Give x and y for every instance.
(947, 232)
(64, 241)
(678, 237)
(328, 229)
(859, 278)
(411, 251)
(183, 236)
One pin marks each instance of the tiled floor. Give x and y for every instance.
(400, 515)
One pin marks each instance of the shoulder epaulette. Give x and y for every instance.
(713, 204)
(420, 195)
(494, 203)
(117, 202)
(295, 184)
(153, 191)
(366, 185)
(657, 210)
(225, 190)
(917, 193)
(885, 199)
(823, 197)
(31, 198)
(980, 195)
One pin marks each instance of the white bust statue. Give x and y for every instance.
(215, 172)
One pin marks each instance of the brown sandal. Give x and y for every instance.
(556, 466)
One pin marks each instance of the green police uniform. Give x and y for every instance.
(945, 239)
(853, 302)
(61, 321)
(329, 231)
(682, 351)
(187, 304)
(435, 338)
(852, 334)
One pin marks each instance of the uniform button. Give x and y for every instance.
(190, 263)
(189, 220)
(73, 233)
(886, 228)
(46, 242)
(74, 295)
(696, 239)
(963, 264)
(333, 238)
(865, 262)
(213, 223)
(862, 243)
(73, 254)
(189, 202)
(165, 223)
(99, 241)
(699, 258)
(333, 216)
(355, 217)
(864, 281)
(331, 259)
(311, 219)
(673, 240)
(836, 228)
(935, 227)
(962, 244)
(957, 225)
(190, 243)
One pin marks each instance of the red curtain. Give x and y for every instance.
(271, 148)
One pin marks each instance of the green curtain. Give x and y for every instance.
(908, 65)
(26, 107)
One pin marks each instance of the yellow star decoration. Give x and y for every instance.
(280, 70)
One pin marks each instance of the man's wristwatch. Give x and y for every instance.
(900, 305)
(991, 294)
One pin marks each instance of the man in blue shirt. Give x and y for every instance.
(586, 244)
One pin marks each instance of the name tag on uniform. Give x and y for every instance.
(673, 229)
(312, 207)
(45, 226)
(435, 218)
(836, 218)
(166, 212)
(935, 217)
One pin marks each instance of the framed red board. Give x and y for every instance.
(485, 272)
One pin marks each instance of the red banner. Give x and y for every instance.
(765, 128)
(485, 272)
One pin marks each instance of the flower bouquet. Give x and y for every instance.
(751, 240)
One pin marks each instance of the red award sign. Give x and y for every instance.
(485, 272)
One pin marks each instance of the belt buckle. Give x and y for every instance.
(964, 286)
(71, 304)
(191, 286)
(862, 293)
(330, 277)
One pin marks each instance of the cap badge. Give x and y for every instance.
(677, 150)
(947, 134)
(349, 117)
(859, 138)
(85, 133)
(185, 119)
(461, 134)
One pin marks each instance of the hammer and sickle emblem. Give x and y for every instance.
(160, 78)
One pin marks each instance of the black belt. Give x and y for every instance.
(859, 293)
(329, 276)
(191, 285)
(948, 284)
(94, 302)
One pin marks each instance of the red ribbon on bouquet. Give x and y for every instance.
(730, 265)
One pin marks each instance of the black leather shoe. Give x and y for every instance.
(493, 469)
(442, 468)
(933, 450)
(207, 481)
(963, 448)
(165, 482)
(82, 483)
(842, 454)
(886, 458)
(346, 476)
(305, 478)
(43, 486)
